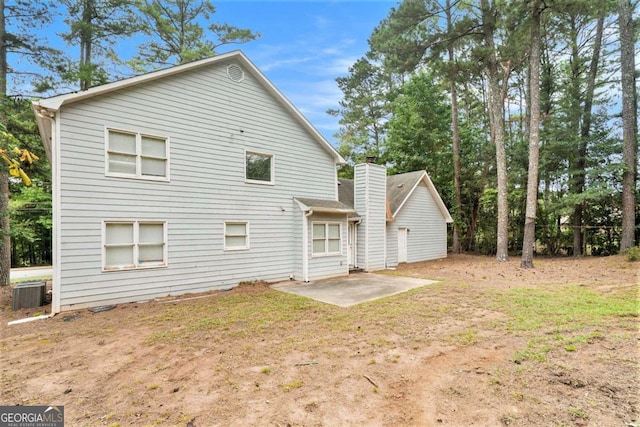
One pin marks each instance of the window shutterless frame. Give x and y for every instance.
(326, 238)
(236, 235)
(133, 244)
(259, 168)
(131, 154)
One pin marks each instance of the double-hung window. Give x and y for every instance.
(134, 244)
(327, 238)
(258, 168)
(236, 235)
(136, 155)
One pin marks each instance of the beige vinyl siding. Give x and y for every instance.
(427, 235)
(210, 121)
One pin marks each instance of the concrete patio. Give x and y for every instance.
(353, 289)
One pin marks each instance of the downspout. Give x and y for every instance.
(305, 247)
(54, 160)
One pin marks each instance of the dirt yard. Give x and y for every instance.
(488, 345)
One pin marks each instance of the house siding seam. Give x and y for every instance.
(211, 122)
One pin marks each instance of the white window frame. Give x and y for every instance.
(138, 174)
(137, 265)
(257, 181)
(326, 238)
(246, 235)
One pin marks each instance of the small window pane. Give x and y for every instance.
(258, 167)
(235, 242)
(122, 142)
(153, 147)
(151, 253)
(122, 163)
(334, 246)
(119, 256)
(318, 246)
(154, 167)
(118, 234)
(334, 231)
(236, 229)
(151, 233)
(318, 231)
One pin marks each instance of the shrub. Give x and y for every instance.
(633, 254)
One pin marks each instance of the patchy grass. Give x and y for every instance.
(546, 347)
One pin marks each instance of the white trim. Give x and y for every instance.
(246, 235)
(56, 287)
(136, 244)
(306, 213)
(138, 136)
(353, 238)
(326, 253)
(367, 216)
(272, 168)
(54, 103)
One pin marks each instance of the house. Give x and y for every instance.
(194, 178)
(398, 218)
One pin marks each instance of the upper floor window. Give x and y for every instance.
(136, 155)
(258, 168)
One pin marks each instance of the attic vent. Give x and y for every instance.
(235, 73)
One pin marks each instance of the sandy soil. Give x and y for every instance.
(447, 354)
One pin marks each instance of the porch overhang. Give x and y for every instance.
(324, 206)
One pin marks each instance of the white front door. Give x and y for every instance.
(351, 253)
(402, 244)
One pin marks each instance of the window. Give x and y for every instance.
(134, 244)
(131, 154)
(327, 238)
(258, 168)
(236, 236)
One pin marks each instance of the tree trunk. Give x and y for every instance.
(85, 46)
(629, 125)
(455, 136)
(496, 120)
(534, 139)
(5, 228)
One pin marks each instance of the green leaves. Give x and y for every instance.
(177, 36)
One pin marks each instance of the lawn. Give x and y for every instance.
(489, 344)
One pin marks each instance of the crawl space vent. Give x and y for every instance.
(235, 73)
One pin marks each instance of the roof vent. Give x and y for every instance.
(235, 73)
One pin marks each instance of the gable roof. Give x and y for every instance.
(399, 189)
(401, 186)
(47, 107)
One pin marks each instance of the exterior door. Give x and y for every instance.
(402, 244)
(351, 238)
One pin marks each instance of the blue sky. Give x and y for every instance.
(305, 46)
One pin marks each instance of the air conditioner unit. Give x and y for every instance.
(29, 294)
